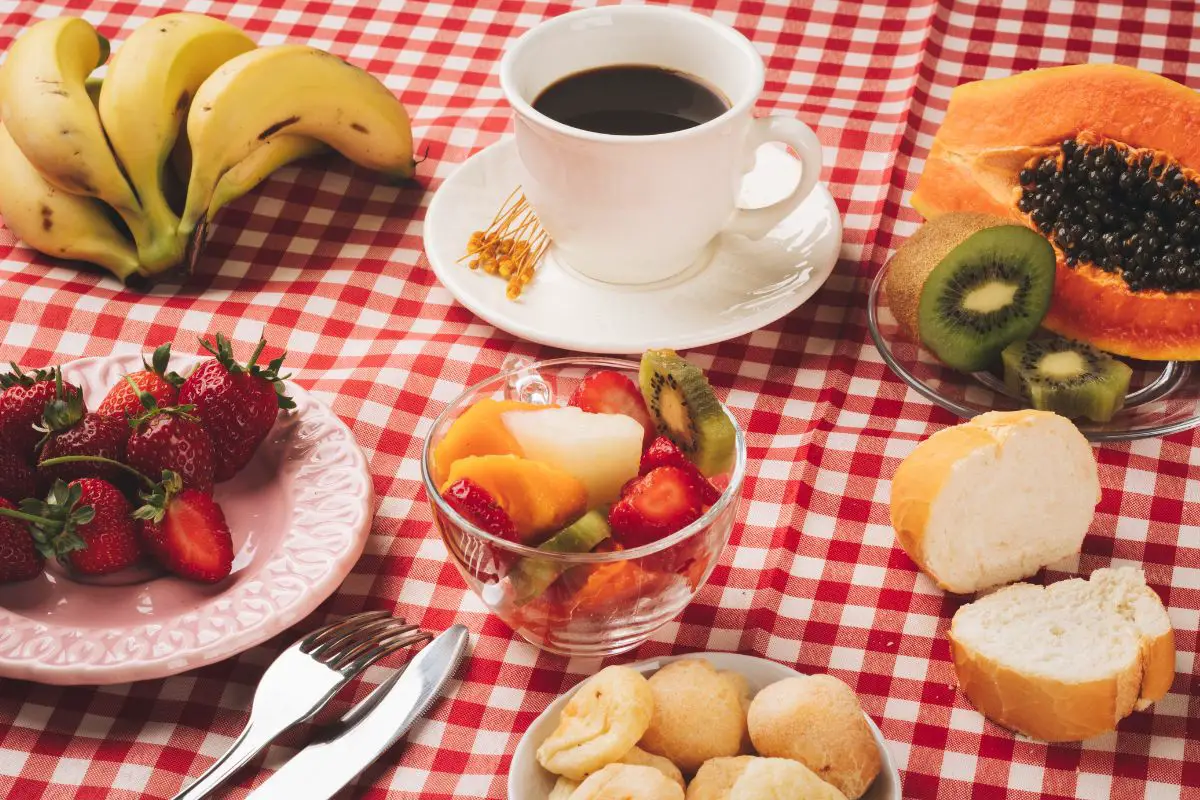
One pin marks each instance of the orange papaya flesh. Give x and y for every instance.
(1047, 148)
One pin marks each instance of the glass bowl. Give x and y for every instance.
(1163, 396)
(599, 603)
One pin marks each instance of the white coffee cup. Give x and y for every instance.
(641, 209)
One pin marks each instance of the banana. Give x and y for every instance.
(46, 108)
(256, 167)
(150, 83)
(55, 222)
(258, 96)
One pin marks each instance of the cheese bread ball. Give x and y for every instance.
(601, 722)
(563, 789)
(697, 715)
(781, 779)
(628, 782)
(716, 777)
(640, 758)
(817, 721)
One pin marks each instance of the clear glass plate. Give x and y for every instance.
(1163, 399)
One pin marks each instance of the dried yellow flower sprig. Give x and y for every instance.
(511, 246)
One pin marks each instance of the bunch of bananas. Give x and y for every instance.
(86, 164)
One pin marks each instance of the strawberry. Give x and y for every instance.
(662, 502)
(71, 430)
(665, 453)
(186, 531)
(19, 557)
(478, 507)
(170, 439)
(236, 404)
(85, 524)
(122, 399)
(17, 478)
(23, 401)
(609, 392)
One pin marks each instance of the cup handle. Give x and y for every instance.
(756, 223)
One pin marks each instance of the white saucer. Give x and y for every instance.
(742, 287)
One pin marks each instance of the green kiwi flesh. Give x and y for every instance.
(1068, 377)
(530, 577)
(991, 290)
(686, 411)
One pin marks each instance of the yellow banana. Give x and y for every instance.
(55, 222)
(46, 108)
(145, 96)
(298, 90)
(256, 167)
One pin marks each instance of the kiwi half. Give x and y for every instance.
(1068, 377)
(686, 411)
(967, 285)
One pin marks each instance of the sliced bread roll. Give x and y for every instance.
(995, 499)
(1066, 662)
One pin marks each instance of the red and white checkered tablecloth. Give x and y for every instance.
(331, 263)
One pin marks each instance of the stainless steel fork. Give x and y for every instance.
(302, 680)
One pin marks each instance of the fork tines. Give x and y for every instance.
(358, 641)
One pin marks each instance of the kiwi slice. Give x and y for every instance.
(530, 577)
(686, 411)
(967, 285)
(1070, 378)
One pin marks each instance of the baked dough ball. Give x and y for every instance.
(640, 758)
(628, 782)
(781, 779)
(817, 721)
(601, 722)
(716, 778)
(698, 715)
(563, 789)
(745, 696)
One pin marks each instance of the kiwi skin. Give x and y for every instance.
(909, 267)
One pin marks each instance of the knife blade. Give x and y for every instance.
(368, 729)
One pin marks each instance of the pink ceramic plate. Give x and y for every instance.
(300, 514)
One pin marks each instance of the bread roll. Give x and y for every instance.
(716, 777)
(601, 722)
(563, 789)
(781, 779)
(1066, 662)
(698, 714)
(995, 499)
(816, 720)
(640, 758)
(628, 782)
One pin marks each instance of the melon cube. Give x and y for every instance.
(602, 450)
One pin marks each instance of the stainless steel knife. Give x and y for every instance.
(320, 770)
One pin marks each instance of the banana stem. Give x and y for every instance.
(50, 462)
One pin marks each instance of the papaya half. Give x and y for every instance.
(1104, 160)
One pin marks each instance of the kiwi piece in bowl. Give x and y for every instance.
(968, 285)
(1067, 377)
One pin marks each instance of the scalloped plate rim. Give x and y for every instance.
(163, 666)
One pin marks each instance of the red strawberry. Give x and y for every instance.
(609, 392)
(85, 524)
(71, 430)
(665, 453)
(236, 404)
(170, 439)
(122, 399)
(477, 506)
(19, 557)
(186, 531)
(659, 504)
(22, 404)
(17, 478)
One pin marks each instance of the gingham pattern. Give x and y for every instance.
(331, 264)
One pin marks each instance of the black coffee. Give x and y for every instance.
(631, 100)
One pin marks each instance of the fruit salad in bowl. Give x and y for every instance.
(586, 500)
